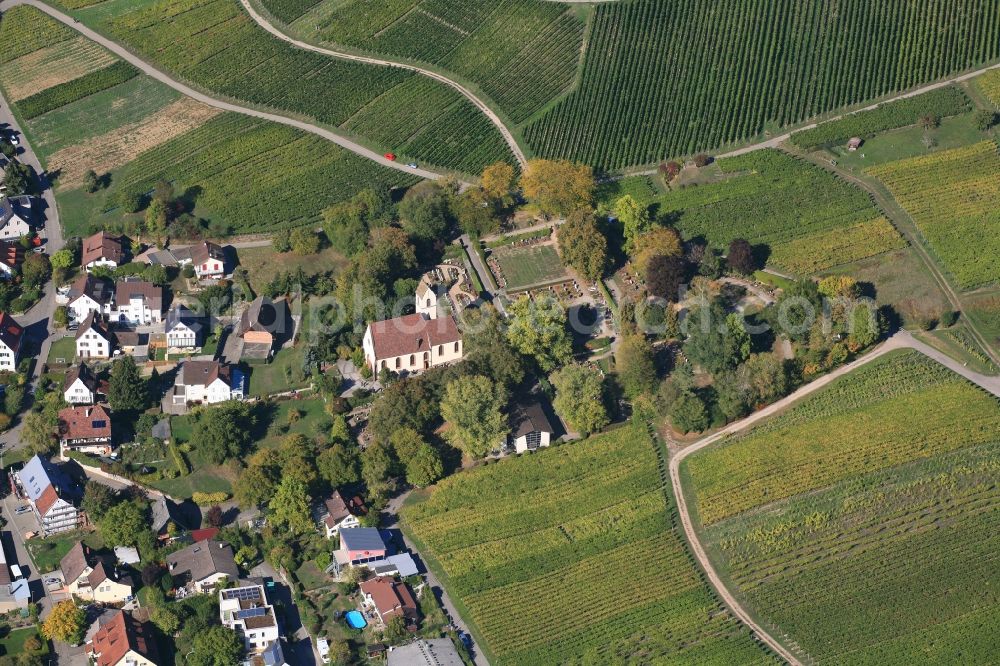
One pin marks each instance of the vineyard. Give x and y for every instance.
(954, 198)
(52, 65)
(295, 175)
(24, 30)
(889, 563)
(897, 409)
(943, 102)
(989, 84)
(522, 53)
(794, 208)
(570, 556)
(665, 79)
(65, 93)
(215, 45)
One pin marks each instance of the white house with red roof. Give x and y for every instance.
(86, 429)
(208, 260)
(103, 249)
(11, 336)
(42, 484)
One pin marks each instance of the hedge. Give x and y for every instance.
(64, 93)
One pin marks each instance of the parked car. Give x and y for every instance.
(412, 165)
(14, 141)
(53, 582)
(24, 508)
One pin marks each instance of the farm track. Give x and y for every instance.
(902, 340)
(161, 76)
(508, 136)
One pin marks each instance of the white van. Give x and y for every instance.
(16, 571)
(323, 647)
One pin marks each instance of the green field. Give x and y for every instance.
(666, 79)
(808, 219)
(216, 46)
(522, 53)
(571, 556)
(527, 266)
(954, 197)
(862, 524)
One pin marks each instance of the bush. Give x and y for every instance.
(949, 318)
(208, 499)
(702, 160)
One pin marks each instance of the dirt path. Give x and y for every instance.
(508, 136)
(166, 79)
(902, 340)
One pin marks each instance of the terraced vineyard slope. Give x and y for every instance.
(216, 46)
(954, 198)
(663, 79)
(862, 524)
(570, 556)
(808, 219)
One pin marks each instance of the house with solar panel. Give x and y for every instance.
(359, 546)
(46, 489)
(247, 611)
(85, 429)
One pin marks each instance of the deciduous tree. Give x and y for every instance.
(665, 276)
(290, 506)
(338, 465)
(689, 413)
(497, 183)
(658, 242)
(424, 466)
(558, 187)
(123, 524)
(472, 406)
(537, 328)
(740, 258)
(424, 211)
(580, 397)
(224, 431)
(216, 646)
(65, 623)
(636, 369)
(634, 218)
(304, 241)
(583, 245)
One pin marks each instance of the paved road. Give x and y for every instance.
(901, 340)
(166, 79)
(485, 275)
(392, 522)
(508, 136)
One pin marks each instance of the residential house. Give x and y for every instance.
(203, 565)
(529, 427)
(94, 338)
(208, 259)
(336, 513)
(15, 217)
(85, 428)
(425, 652)
(90, 294)
(11, 258)
(45, 486)
(164, 512)
(123, 641)
(412, 343)
(205, 382)
(389, 599)
(183, 328)
(81, 386)
(132, 343)
(262, 325)
(246, 611)
(138, 302)
(11, 336)
(88, 576)
(272, 655)
(401, 564)
(359, 546)
(103, 249)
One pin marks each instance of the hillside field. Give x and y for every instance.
(862, 524)
(666, 79)
(135, 131)
(216, 46)
(570, 556)
(806, 219)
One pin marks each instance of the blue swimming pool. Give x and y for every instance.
(356, 620)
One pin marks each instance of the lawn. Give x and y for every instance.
(529, 266)
(583, 538)
(861, 523)
(12, 642)
(283, 373)
(63, 348)
(958, 343)
(984, 310)
(311, 420)
(47, 552)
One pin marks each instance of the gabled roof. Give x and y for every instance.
(361, 538)
(100, 574)
(337, 508)
(11, 333)
(75, 562)
(203, 559)
(528, 418)
(17, 207)
(180, 315)
(84, 374)
(204, 251)
(390, 597)
(203, 373)
(151, 294)
(97, 289)
(84, 422)
(47, 500)
(11, 254)
(264, 315)
(412, 334)
(37, 475)
(94, 323)
(119, 635)
(103, 246)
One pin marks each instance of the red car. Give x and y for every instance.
(390, 156)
